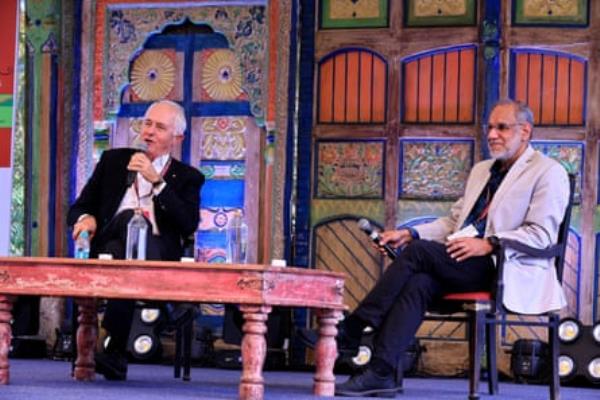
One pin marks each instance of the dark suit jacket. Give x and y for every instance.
(176, 208)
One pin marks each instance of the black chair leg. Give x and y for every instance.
(178, 352)
(490, 334)
(188, 331)
(554, 351)
(476, 331)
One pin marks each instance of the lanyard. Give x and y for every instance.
(136, 185)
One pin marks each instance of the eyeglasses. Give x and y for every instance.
(501, 126)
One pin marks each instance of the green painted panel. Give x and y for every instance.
(6, 110)
(409, 210)
(372, 209)
(551, 13)
(440, 13)
(336, 14)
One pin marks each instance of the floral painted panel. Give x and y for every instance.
(222, 138)
(440, 12)
(350, 169)
(354, 13)
(569, 154)
(433, 168)
(128, 26)
(217, 76)
(551, 12)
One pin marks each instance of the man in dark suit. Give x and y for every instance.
(168, 193)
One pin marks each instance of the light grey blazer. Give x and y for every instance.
(528, 206)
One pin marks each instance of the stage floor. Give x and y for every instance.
(49, 380)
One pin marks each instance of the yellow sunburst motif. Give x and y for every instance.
(152, 75)
(221, 76)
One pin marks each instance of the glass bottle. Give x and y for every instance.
(82, 245)
(237, 239)
(137, 234)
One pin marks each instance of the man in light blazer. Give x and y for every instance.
(167, 191)
(518, 194)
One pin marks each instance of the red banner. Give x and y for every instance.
(8, 33)
(5, 134)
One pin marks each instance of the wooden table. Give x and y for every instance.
(256, 288)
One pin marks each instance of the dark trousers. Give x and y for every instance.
(422, 274)
(118, 314)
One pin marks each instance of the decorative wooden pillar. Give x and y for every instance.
(326, 352)
(254, 351)
(5, 336)
(87, 333)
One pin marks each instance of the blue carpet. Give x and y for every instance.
(50, 380)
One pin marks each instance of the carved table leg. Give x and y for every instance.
(87, 333)
(254, 351)
(326, 352)
(5, 336)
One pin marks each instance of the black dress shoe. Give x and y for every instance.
(368, 384)
(112, 365)
(344, 341)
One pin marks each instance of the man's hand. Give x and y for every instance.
(395, 239)
(140, 162)
(462, 248)
(87, 223)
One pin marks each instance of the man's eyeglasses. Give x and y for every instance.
(501, 126)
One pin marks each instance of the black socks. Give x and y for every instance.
(381, 368)
(354, 326)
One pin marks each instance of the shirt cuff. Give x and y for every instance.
(413, 232)
(156, 189)
(82, 216)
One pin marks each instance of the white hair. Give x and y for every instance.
(179, 122)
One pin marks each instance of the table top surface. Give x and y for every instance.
(172, 281)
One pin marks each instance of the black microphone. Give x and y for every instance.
(140, 147)
(365, 225)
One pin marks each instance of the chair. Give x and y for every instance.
(485, 310)
(183, 322)
(182, 319)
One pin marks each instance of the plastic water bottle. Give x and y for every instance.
(137, 234)
(237, 239)
(82, 245)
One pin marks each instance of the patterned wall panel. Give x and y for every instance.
(551, 12)
(434, 169)
(352, 87)
(569, 154)
(339, 245)
(121, 29)
(153, 75)
(439, 86)
(354, 13)
(553, 84)
(219, 149)
(440, 13)
(327, 209)
(350, 169)
(217, 76)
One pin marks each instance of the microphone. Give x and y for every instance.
(140, 147)
(365, 226)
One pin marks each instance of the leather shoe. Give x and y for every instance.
(368, 384)
(344, 341)
(112, 365)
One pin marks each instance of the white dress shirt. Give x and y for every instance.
(140, 194)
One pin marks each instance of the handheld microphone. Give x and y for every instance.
(365, 226)
(141, 147)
